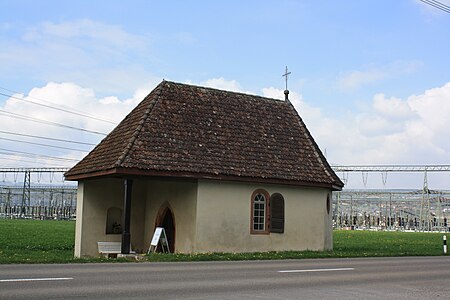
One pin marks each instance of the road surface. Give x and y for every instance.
(360, 278)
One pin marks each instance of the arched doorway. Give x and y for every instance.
(165, 219)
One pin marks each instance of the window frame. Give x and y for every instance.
(266, 195)
(281, 217)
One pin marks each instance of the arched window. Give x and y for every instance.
(259, 212)
(277, 213)
(114, 220)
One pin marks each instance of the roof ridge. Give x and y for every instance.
(223, 91)
(138, 129)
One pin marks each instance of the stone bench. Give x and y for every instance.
(110, 248)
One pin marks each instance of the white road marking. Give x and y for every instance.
(316, 270)
(35, 279)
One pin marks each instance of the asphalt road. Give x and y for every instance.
(372, 278)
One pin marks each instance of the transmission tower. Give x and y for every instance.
(26, 191)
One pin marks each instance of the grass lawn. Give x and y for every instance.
(34, 241)
(383, 243)
(346, 244)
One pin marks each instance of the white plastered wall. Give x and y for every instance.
(223, 219)
(181, 197)
(209, 215)
(94, 197)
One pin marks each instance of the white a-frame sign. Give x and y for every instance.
(159, 237)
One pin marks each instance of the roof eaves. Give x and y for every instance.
(134, 172)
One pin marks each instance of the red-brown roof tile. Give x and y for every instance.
(181, 130)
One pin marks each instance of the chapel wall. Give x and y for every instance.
(97, 196)
(224, 218)
(180, 195)
(94, 198)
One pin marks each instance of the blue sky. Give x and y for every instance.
(251, 42)
(370, 78)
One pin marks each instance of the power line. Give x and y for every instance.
(46, 138)
(391, 168)
(44, 145)
(52, 106)
(25, 161)
(22, 117)
(59, 109)
(438, 5)
(37, 156)
(34, 170)
(28, 154)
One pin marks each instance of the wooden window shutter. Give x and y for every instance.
(277, 213)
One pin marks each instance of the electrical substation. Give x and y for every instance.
(42, 193)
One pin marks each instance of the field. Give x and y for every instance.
(33, 241)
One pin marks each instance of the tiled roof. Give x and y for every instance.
(181, 130)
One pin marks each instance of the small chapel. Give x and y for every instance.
(220, 171)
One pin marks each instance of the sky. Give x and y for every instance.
(371, 79)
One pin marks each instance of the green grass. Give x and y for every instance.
(383, 243)
(346, 244)
(34, 241)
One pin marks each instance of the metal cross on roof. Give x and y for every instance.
(286, 74)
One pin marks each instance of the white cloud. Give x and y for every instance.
(391, 130)
(376, 125)
(223, 84)
(275, 93)
(99, 33)
(103, 56)
(388, 116)
(355, 79)
(67, 96)
(395, 131)
(392, 108)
